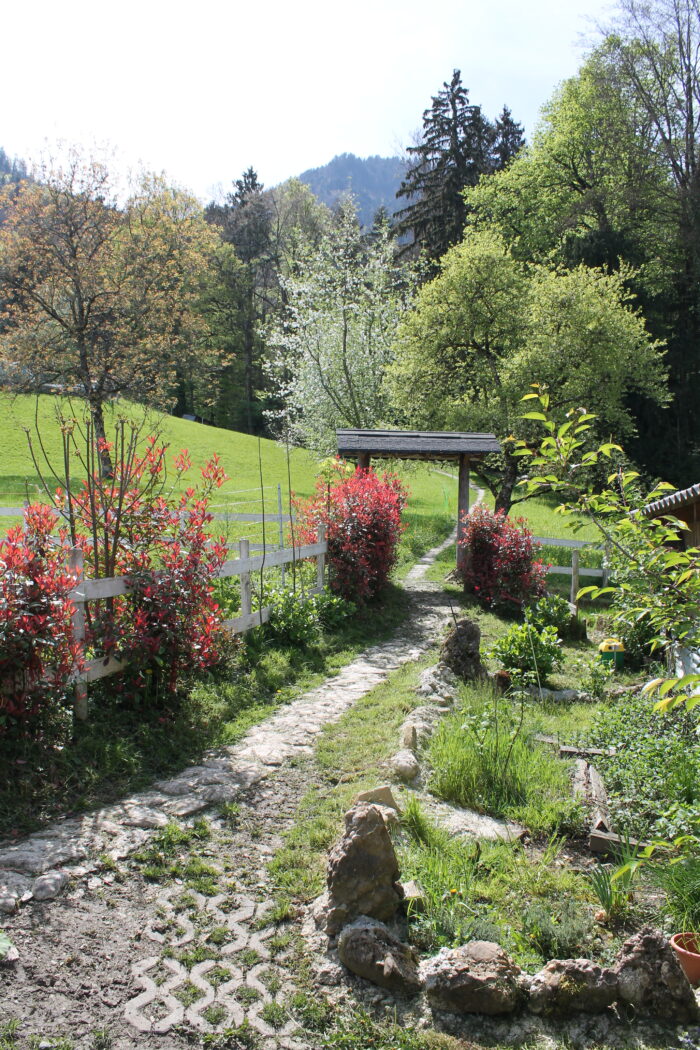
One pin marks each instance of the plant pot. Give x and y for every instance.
(687, 948)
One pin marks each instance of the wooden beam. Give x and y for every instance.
(462, 508)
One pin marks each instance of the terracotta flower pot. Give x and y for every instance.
(687, 948)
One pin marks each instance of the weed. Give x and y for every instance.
(218, 975)
(241, 1038)
(557, 931)
(281, 911)
(279, 943)
(245, 994)
(218, 935)
(214, 1014)
(311, 1011)
(274, 1015)
(272, 981)
(101, 1040)
(187, 993)
(248, 957)
(356, 1029)
(9, 1034)
(189, 957)
(230, 812)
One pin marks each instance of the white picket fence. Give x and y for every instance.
(90, 590)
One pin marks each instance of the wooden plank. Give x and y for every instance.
(566, 570)
(246, 591)
(92, 590)
(574, 580)
(80, 703)
(549, 541)
(273, 519)
(102, 668)
(284, 557)
(321, 559)
(239, 624)
(607, 842)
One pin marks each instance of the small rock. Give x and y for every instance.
(569, 985)
(438, 682)
(49, 885)
(461, 651)
(8, 903)
(363, 871)
(370, 950)
(651, 980)
(413, 896)
(478, 978)
(381, 796)
(409, 737)
(405, 765)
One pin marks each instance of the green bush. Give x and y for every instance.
(298, 618)
(681, 881)
(551, 611)
(524, 648)
(557, 930)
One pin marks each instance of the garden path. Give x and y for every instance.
(111, 951)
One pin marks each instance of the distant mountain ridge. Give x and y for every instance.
(373, 181)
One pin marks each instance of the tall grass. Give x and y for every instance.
(483, 757)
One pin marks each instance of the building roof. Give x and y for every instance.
(415, 444)
(674, 501)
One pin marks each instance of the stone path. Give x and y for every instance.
(247, 980)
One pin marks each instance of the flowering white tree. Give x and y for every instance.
(330, 350)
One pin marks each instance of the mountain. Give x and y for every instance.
(372, 180)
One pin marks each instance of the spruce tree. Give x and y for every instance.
(458, 145)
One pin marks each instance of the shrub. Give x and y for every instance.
(293, 618)
(362, 517)
(551, 611)
(501, 567)
(37, 651)
(525, 649)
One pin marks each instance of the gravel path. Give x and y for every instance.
(101, 950)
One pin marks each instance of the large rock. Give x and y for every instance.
(478, 978)
(405, 765)
(372, 951)
(363, 872)
(460, 651)
(566, 986)
(650, 979)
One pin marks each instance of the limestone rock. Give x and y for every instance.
(363, 871)
(49, 885)
(438, 681)
(651, 980)
(569, 985)
(478, 978)
(413, 897)
(381, 796)
(372, 951)
(409, 737)
(460, 651)
(405, 765)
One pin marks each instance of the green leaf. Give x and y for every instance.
(535, 415)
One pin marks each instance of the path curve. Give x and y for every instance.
(40, 866)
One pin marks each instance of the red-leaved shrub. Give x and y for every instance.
(37, 651)
(362, 517)
(501, 567)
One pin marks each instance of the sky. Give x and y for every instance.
(206, 89)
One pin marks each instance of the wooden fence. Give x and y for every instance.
(89, 590)
(575, 570)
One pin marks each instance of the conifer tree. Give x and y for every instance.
(458, 145)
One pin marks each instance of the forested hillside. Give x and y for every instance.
(373, 181)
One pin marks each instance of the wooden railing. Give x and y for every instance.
(89, 590)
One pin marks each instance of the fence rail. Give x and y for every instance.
(575, 570)
(89, 590)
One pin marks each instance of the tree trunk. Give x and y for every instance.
(504, 498)
(100, 436)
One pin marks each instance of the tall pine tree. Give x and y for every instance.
(458, 145)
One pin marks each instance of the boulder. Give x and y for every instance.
(651, 981)
(405, 765)
(478, 978)
(566, 986)
(381, 796)
(460, 651)
(363, 872)
(372, 951)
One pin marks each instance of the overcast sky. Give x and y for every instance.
(203, 90)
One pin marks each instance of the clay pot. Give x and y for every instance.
(687, 948)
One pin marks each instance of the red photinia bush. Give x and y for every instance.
(501, 566)
(362, 517)
(37, 651)
(128, 521)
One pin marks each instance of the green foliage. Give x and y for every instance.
(681, 882)
(657, 763)
(524, 648)
(557, 930)
(357, 1030)
(550, 611)
(484, 759)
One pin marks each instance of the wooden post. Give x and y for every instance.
(606, 565)
(574, 577)
(80, 703)
(363, 461)
(321, 560)
(462, 508)
(246, 592)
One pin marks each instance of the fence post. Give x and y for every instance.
(321, 559)
(80, 703)
(246, 591)
(574, 577)
(281, 525)
(606, 565)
